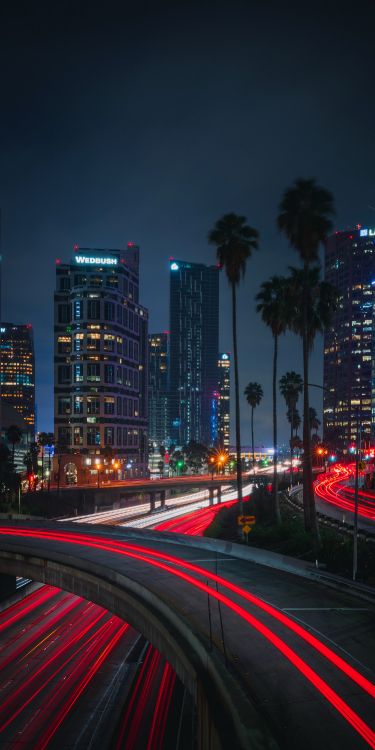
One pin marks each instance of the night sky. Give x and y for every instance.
(148, 121)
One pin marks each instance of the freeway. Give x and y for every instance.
(304, 654)
(335, 497)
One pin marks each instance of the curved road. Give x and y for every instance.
(304, 654)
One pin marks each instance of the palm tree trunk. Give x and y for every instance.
(237, 401)
(252, 436)
(308, 491)
(291, 444)
(274, 396)
(49, 470)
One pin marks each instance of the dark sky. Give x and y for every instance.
(148, 121)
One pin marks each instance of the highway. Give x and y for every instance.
(304, 653)
(334, 497)
(80, 661)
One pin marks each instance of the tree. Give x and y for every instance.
(273, 304)
(42, 442)
(313, 420)
(13, 436)
(313, 302)
(195, 455)
(235, 241)
(305, 217)
(254, 395)
(291, 385)
(7, 473)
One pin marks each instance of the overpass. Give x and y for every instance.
(241, 636)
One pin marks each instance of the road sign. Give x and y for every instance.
(245, 520)
(246, 528)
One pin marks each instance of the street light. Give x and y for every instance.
(98, 467)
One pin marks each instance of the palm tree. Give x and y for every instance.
(314, 420)
(13, 436)
(291, 385)
(305, 217)
(235, 241)
(254, 395)
(273, 305)
(313, 303)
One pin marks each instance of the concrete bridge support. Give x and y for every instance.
(162, 495)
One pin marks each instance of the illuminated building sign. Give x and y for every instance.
(93, 260)
(224, 356)
(174, 266)
(367, 232)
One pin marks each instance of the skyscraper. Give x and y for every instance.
(101, 356)
(17, 371)
(350, 267)
(194, 333)
(158, 388)
(224, 400)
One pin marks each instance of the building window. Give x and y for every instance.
(125, 436)
(126, 287)
(109, 373)
(78, 342)
(131, 320)
(108, 435)
(78, 404)
(93, 373)
(96, 281)
(119, 314)
(125, 348)
(63, 374)
(93, 341)
(112, 281)
(109, 311)
(131, 349)
(64, 283)
(64, 344)
(64, 437)
(77, 435)
(109, 342)
(119, 435)
(78, 309)
(125, 407)
(93, 405)
(119, 405)
(64, 405)
(125, 317)
(119, 375)
(63, 313)
(80, 279)
(78, 373)
(119, 345)
(109, 405)
(93, 436)
(136, 351)
(93, 309)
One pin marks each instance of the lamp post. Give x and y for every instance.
(98, 467)
(355, 525)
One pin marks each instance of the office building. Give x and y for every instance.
(348, 344)
(101, 358)
(223, 418)
(17, 372)
(194, 329)
(158, 389)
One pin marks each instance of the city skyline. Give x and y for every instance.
(74, 174)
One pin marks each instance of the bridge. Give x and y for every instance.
(272, 658)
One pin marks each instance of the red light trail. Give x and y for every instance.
(331, 488)
(161, 560)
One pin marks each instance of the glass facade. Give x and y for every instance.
(17, 370)
(194, 334)
(348, 344)
(224, 400)
(158, 388)
(101, 363)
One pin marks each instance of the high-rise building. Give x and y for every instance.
(101, 356)
(193, 347)
(350, 267)
(223, 422)
(158, 388)
(17, 371)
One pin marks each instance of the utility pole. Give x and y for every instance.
(355, 528)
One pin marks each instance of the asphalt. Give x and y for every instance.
(296, 712)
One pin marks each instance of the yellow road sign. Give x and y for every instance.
(246, 528)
